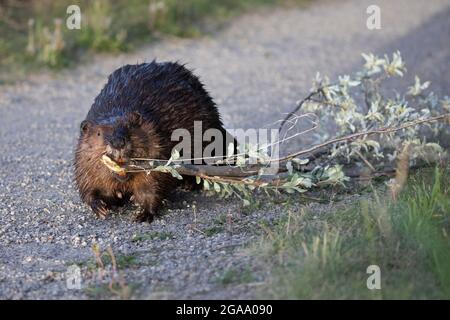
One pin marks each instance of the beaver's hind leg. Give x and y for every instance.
(149, 192)
(189, 183)
(149, 202)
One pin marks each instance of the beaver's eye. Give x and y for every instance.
(99, 134)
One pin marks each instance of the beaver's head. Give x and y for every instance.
(122, 139)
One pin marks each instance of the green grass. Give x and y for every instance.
(213, 230)
(104, 291)
(219, 225)
(326, 256)
(123, 261)
(234, 276)
(32, 39)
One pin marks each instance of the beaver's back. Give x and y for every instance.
(167, 94)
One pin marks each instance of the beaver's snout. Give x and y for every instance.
(119, 156)
(117, 142)
(116, 146)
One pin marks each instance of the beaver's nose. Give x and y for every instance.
(112, 152)
(117, 143)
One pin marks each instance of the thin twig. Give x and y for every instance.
(365, 160)
(299, 105)
(360, 134)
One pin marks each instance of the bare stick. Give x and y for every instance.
(201, 170)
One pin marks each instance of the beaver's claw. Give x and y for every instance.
(145, 216)
(100, 208)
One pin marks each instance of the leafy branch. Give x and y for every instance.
(395, 121)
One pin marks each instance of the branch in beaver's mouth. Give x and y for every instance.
(113, 166)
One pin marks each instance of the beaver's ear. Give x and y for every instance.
(85, 125)
(135, 118)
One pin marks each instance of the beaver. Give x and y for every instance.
(134, 116)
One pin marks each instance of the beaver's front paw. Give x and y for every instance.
(100, 208)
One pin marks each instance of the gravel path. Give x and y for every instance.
(255, 69)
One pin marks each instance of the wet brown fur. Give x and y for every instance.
(142, 104)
